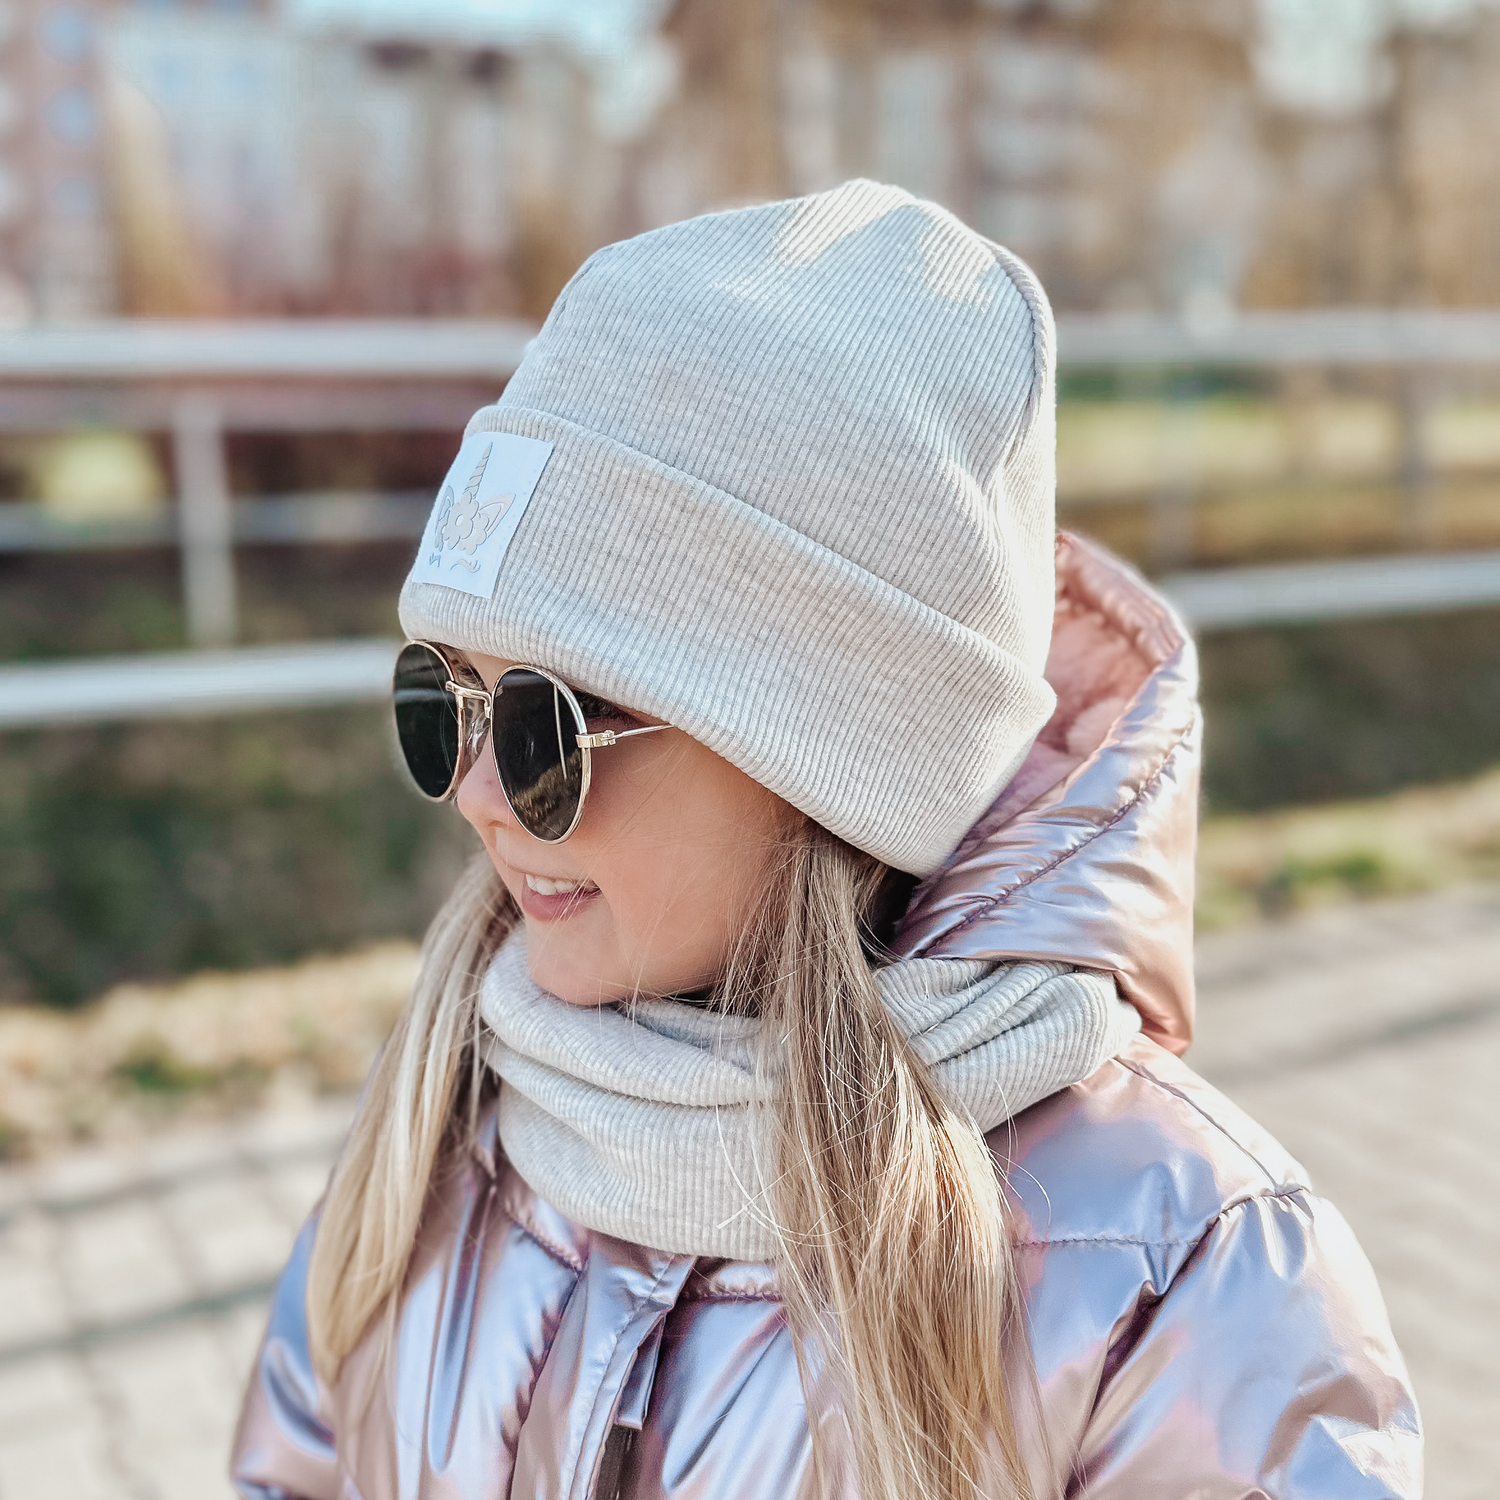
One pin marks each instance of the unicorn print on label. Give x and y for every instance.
(465, 525)
(478, 508)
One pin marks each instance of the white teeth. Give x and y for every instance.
(544, 887)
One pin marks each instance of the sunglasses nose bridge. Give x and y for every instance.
(475, 715)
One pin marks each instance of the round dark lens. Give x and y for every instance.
(426, 719)
(535, 736)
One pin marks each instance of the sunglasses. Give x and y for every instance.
(536, 726)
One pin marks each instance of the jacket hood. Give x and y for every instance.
(1087, 856)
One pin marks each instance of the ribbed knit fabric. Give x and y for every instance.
(639, 1124)
(799, 504)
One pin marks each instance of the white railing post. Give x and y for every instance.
(1414, 403)
(205, 521)
(1172, 514)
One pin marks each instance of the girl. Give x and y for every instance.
(790, 1103)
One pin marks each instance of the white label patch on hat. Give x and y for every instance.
(478, 508)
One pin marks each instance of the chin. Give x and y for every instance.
(572, 981)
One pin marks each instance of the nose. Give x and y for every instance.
(480, 799)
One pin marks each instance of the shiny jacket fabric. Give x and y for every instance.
(1200, 1323)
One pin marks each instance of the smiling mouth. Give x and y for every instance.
(542, 886)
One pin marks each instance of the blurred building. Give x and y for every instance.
(445, 157)
(55, 220)
(351, 170)
(1113, 145)
(1182, 154)
(214, 156)
(1396, 200)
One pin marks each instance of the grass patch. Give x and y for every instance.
(1270, 865)
(146, 1053)
(142, 851)
(154, 1069)
(1305, 715)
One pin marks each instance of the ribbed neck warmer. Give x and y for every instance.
(637, 1123)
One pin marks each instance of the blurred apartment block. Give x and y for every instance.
(320, 156)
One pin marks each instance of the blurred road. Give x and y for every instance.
(133, 1282)
(1368, 1040)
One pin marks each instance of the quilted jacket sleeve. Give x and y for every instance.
(1267, 1370)
(282, 1451)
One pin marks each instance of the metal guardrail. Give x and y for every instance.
(1326, 336)
(200, 683)
(364, 349)
(407, 350)
(201, 380)
(1350, 588)
(333, 673)
(268, 520)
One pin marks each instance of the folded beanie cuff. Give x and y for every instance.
(871, 711)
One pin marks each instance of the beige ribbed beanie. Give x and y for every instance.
(784, 478)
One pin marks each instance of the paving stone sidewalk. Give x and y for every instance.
(133, 1282)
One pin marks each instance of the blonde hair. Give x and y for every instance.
(895, 1264)
(421, 1102)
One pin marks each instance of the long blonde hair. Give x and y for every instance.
(895, 1263)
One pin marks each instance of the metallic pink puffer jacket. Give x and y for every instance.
(1202, 1324)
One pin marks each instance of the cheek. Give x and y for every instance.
(687, 854)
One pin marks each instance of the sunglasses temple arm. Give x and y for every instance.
(601, 741)
(608, 737)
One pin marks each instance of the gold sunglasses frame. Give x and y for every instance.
(468, 688)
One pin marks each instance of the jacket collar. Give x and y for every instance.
(1087, 856)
